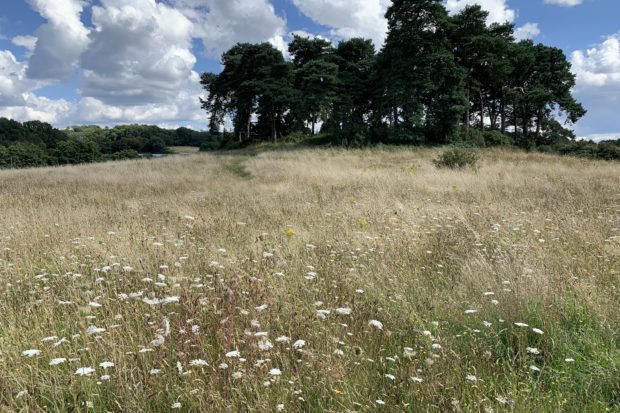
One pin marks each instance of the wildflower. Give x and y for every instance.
(487, 324)
(523, 325)
(409, 353)
(436, 346)
(381, 402)
(21, 394)
(569, 360)
(176, 405)
(31, 353)
(233, 354)
(538, 331)
(261, 308)
(154, 372)
(106, 364)
(416, 379)
(390, 376)
(532, 350)
(59, 342)
(94, 304)
(237, 375)
(339, 352)
(299, 344)
(275, 372)
(376, 324)
(280, 407)
(283, 339)
(344, 311)
(158, 341)
(471, 311)
(471, 377)
(534, 368)
(56, 361)
(264, 344)
(92, 330)
(84, 371)
(223, 366)
(267, 254)
(105, 377)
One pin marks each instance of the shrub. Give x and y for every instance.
(458, 158)
(125, 154)
(472, 138)
(496, 138)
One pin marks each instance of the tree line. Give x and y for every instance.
(38, 143)
(438, 79)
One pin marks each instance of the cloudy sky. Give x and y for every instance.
(138, 61)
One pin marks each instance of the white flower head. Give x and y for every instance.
(376, 324)
(31, 353)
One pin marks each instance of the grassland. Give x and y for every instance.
(311, 281)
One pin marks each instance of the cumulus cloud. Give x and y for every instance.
(349, 18)
(34, 107)
(527, 31)
(139, 53)
(14, 84)
(27, 42)
(598, 66)
(223, 23)
(565, 3)
(499, 12)
(61, 40)
(598, 85)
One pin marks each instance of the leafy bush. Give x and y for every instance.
(496, 138)
(458, 158)
(121, 155)
(472, 138)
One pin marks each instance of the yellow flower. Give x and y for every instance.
(289, 231)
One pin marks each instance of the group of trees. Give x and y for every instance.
(438, 79)
(37, 143)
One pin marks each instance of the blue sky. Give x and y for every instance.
(119, 61)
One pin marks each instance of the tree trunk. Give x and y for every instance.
(249, 123)
(481, 111)
(538, 123)
(313, 124)
(274, 130)
(467, 111)
(502, 114)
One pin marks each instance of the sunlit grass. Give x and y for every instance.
(311, 280)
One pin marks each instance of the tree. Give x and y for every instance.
(253, 74)
(419, 72)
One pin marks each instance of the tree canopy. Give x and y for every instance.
(438, 79)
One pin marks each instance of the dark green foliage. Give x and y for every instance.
(122, 155)
(437, 78)
(458, 158)
(76, 151)
(37, 143)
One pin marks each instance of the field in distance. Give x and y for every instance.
(311, 281)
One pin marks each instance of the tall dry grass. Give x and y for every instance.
(403, 281)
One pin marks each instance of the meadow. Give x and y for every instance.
(315, 280)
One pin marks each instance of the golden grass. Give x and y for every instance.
(237, 240)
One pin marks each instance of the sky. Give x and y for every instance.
(108, 62)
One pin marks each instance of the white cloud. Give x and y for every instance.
(598, 66)
(598, 85)
(499, 12)
(349, 18)
(14, 84)
(61, 40)
(223, 23)
(38, 108)
(27, 42)
(139, 53)
(564, 3)
(527, 31)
